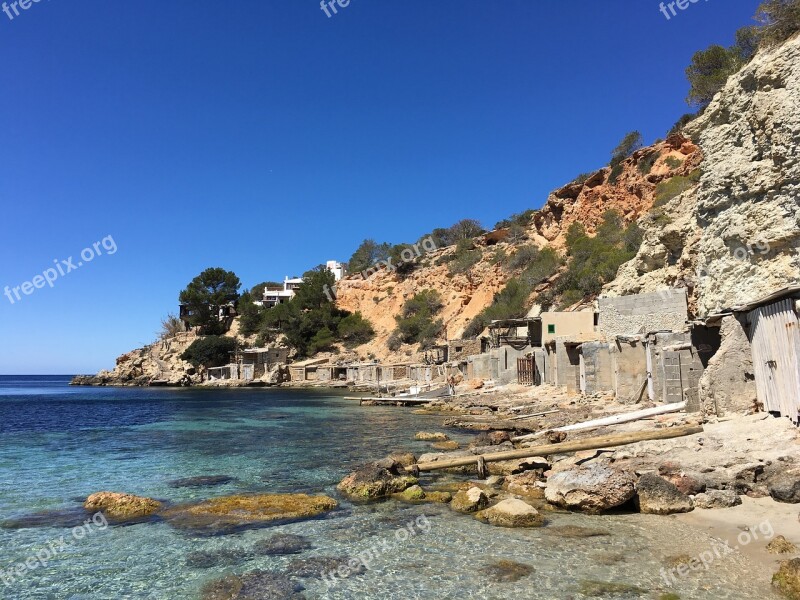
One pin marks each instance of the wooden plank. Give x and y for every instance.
(596, 443)
(612, 420)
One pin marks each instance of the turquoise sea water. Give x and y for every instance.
(59, 444)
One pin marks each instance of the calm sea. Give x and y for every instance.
(59, 444)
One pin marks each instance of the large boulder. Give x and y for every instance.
(121, 507)
(252, 585)
(592, 488)
(468, 501)
(785, 487)
(658, 496)
(233, 513)
(374, 481)
(528, 483)
(787, 579)
(511, 513)
(717, 499)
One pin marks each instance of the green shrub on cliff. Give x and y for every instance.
(206, 294)
(210, 351)
(354, 330)
(675, 186)
(417, 323)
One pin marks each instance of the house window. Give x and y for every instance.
(459, 348)
(551, 328)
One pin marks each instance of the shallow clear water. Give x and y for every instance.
(59, 444)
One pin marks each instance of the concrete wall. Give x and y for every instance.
(642, 313)
(676, 370)
(568, 366)
(566, 324)
(499, 364)
(629, 363)
(596, 368)
(458, 350)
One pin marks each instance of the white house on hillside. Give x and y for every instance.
(273, 297)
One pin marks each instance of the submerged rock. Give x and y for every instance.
(426, 436)
(591, 488)
(371, 482)
(71, 517)
(415, 492)
(576, 531)
(121, 507)
(658, 496)
(511, 513)
(787, 579)
(507, 571)
(281, 544)
(596, 589)
(320, 566)
(255, 585)
(231, 513)
(207, 559)
(471, 500)
(202, 481)
(717, 499)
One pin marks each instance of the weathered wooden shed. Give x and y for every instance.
(774, 333)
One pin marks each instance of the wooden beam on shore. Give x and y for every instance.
(539, 414)
(612, 420)
(595, 443)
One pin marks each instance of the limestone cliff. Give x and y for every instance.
(735, 237)
(380, 298)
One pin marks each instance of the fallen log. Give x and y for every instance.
(595, 443)
(613, 420)
(539, 414)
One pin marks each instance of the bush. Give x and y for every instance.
(170, 327)
(210, 351)
(522, 219)
(682, 122)
(395, 341)
(416, 324)
(646, 164)
(672, 162)
(249, 314)
(594, 261)
(675, 186)
(524, 256)
(779, 20)
(582, 178)
(616, 171)
(322, 341)
(709, 71)
(355, 330)
(542, 267)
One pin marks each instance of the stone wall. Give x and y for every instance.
(643, 313)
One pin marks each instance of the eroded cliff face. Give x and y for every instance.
(735, 236)
(380, 298)
(748, 205)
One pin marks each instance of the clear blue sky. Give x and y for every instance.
(264, 137)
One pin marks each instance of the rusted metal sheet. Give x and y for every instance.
(775, 341)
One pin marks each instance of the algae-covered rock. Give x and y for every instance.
(371, 482)
(780, 545)
(281, 544)
(507, 571)
(787, 579)
(254, 585)
(230, 513)
(598, 589)
(471, 500)
(121, 507)
(415, 492)
(511, 513)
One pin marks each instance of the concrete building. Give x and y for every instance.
(566, 324)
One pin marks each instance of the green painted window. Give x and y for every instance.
(551, 328)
